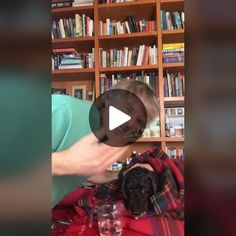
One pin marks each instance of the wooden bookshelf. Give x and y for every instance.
(71, 10)
(173, 65)
(140, 3)
(132, 35)
(128, 68)
(141, 9)
(73, 71)
(172, 32)
(174, 101)
(74, 40)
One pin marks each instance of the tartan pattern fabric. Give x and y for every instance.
(169, 202)
(168, 208)
(67, 210)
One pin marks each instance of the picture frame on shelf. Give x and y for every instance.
(79, 92)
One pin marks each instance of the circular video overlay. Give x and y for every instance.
(117, 118)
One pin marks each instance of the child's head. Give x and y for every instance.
(144, 93)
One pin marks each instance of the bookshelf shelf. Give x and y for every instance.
(173, 65)
(174, 139)
(177, 31)
(129, 68)
(79, 42)
(174, 101)
(127, 4)
(160, 139)
(131, 35)
(64, 10)
(152, 139)
(72, 40)
(171, 1)
(73, 71)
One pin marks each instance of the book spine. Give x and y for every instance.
(177, 86)
(77, 25)
(174, 20)
(107, 26)
(173, 86)
(130, 24)
(182, 18)
(127, 27)
(139, 56)
(100, 27)
(87, 25)
(180, 85)
(83, 25)
(169, 84)
(166, 94)
(62, 31)
(183, 85)
(129, 57)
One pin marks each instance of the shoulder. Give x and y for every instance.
(65, 101)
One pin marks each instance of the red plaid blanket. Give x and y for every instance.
(170, 200)
(68, 211)
(168, 204)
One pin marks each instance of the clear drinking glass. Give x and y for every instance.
(110, 220)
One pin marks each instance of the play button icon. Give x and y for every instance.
(117, 118)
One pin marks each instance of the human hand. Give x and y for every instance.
(86, 157)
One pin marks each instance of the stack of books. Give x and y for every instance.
(61, 3)
(173, 52)
(174, 125)
(174, 85)
(172, 153)
(127, 27)
(80, 26)
(106, 82)
(142, 55)
(69, 58)
(113, 1)
(172, 20)
(79, 3)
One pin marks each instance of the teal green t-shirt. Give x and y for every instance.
(70, 122)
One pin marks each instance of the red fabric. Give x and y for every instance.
(66, 210)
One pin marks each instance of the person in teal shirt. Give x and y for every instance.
(77, 155)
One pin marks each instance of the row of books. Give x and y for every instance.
(172, 20)
(174, 122)
(142, 55)
(80, 26)
(114, 1)
(106, 82)
(173, 52)
(69, 58)
(174, 153)
(174, 84)
(129, 26)
(70, 3)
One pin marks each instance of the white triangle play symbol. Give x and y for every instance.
(117, 118)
